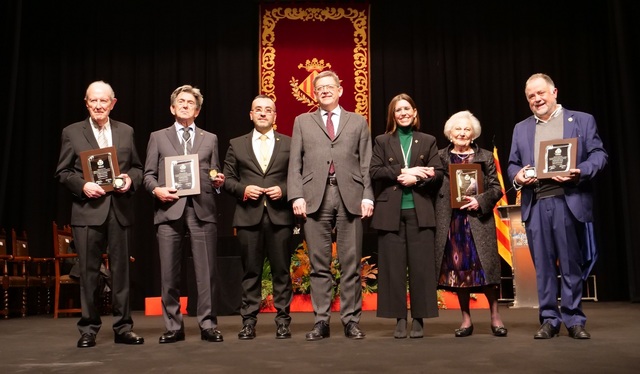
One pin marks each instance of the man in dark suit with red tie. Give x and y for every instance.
(256, 175)
(99, 218)
(176, 215)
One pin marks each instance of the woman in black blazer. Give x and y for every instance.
(407, 173)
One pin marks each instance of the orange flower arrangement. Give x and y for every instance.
(301, 269)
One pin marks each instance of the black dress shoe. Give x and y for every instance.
(248, 332)
(87, 340)
(578, 332)
(320, 331)
(464, 332)
(499, 330)
(283, 331)
(352, 331)
(546, 331)
(128, 337)
(211, 335)
(171, 336)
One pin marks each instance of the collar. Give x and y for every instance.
(179, 126)
(107, 126)
(256, 134)
(336, 111)
(555, 113)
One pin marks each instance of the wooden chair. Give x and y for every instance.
(62, 252)
(5, 257)
(15, 274)
(38, 271)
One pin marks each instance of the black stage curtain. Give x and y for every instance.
(449, 55)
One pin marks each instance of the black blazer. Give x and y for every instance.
(241, 168)
(385, 167)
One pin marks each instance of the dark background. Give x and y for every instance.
(448, 55)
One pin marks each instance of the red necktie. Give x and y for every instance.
(331, 131)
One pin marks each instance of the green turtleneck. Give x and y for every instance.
(405, 135)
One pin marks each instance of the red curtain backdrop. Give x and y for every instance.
(296, 43)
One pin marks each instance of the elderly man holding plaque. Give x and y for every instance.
(467, 258)
(99, 164)
(181, 171)
(555, 155)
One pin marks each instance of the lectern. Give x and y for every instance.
(525, 292)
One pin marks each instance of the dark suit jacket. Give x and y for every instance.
(591, 159)
(241, 168)
(312, 151)
(79, 137)
(385, 167)
(164, 143)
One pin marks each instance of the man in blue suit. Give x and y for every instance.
(557, 211)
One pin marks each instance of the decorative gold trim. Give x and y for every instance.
(358, 18)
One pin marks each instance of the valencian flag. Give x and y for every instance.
(502, 228)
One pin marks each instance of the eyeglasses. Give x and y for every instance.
(326, 87)
(265, 111)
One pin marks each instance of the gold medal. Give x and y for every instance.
(212, 174)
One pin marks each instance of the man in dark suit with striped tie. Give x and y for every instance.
(176, 215)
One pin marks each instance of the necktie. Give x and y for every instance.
(102, 138)
(332, 135)
(264, 152)
(186, 136)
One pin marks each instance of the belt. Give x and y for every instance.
(332, 181)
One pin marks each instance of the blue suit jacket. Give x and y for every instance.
(591, 158)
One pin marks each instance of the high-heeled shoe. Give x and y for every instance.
(464, 331)
(499, 330)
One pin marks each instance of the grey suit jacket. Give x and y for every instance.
(164, 143)
(79, 137)
(241, 168)
(312, 151)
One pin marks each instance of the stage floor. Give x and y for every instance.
(41, 344)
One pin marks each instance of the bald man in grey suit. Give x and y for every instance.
(330, 187)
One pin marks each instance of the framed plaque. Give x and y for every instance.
(100, 166)
(183, 174)
(556, 157)
(464, 180)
